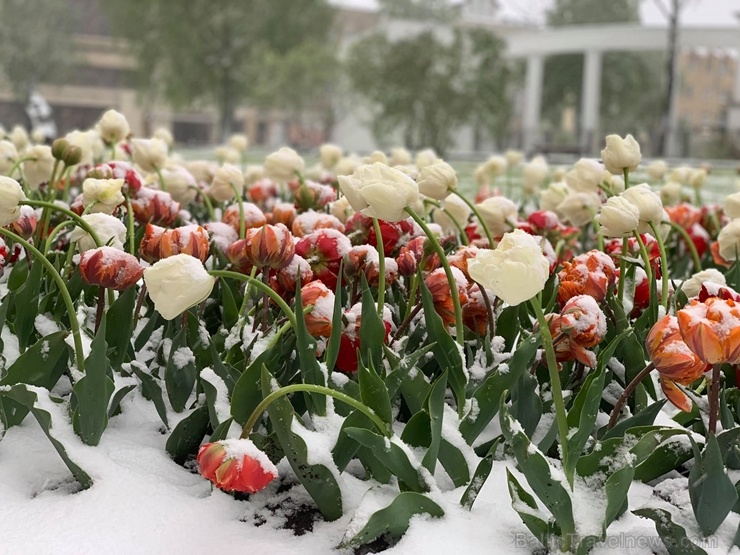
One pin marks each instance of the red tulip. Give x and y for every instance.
(236, 465)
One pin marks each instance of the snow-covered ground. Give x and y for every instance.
(144, 503)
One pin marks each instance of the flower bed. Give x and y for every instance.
(359, 343)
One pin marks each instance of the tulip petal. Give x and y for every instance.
(675, 394)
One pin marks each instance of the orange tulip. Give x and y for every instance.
(591, 274)
(712, 329)
(674, 360)
(236, 465)
(159, 243)
(319, 320)
(439, 287)
(253, 216)
(111, 268)
(269, 246)
(580, 325)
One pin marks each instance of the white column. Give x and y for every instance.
(532, 101)
(590, 99)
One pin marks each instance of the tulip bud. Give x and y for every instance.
(499, 214)
(236, 465)
(330, 155)
(591, 274)
(319, 319)
(155, 207)
(239, 142)
(102, 195)
(38, 166)
(711, 329)
(150, 154)
(109, 230)
(579, 208)
(26, 224)
(437, 180)
(176, 283)
(253, 216)
(379, 191)
(439, 288)
(283, 165)
(228, 178)
(110, 268)
(618, 217)
(58, 147)
(270, 246)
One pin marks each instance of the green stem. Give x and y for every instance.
(663, 266)
(459, 329)
(381, 267)
(689, 243)
(557, 391)
(262, 287)
(311, 388)
(626, 174)
(622, 269)
(240, 204)
(645, 257)
(162, 184)
(209, 206)
(56, 231)
(412, 293)
(476, 213)
(79, 220)
(62, 290)
(18, 164)
(130, 224)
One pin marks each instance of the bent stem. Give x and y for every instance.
(476, 213)
(78, 219)
(645, 257)
(63, 291)
(626, 394)
(242, 225)
(663, 266)
(262, 287)
(383, 428)
(381, 266)
(689, 242)
(556, 388)
(459, 329)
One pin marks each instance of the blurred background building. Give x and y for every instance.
(377, 74)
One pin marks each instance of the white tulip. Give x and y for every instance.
(579, 208)
(618, 217)
(515, 271)
(621, 154)
(729, 241)
(648, 203)
(586, 176)
(8, 156)
(150, 154)
(535, 172)
(38, 168)
(437, 180)
(330, 155)
(697, 178)
(657, 169)
(225, 154)
(239, 142)
(670, 193)
(732, 206)
(400, 157)
(347, 165)
(426, 158)
(89, 142)
(692, 286)
(680, 174)
(341, 209)
(228, 177)
(113, 127)
(513, 157)
(495, 166)
(555, 193)
(179, 182)
(176, 283)
(376, 156)
(499, 214)
(164, 135)
(253, 173)
(19, 137)
(102, 195)
(379, 191)
(452, 207)
(283, 165)
(110, 231)
(11, 195)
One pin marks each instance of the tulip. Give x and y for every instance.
(253, 216)
(27, 222)
(535, 172)
(227, 182)
(493, 167)
(621, 154)
(586, 176)
(592, 273)
(239, 142)
(350, 340)
(515, 271)
(330, 155)
(109, 230)
(285, 213)
(102, 195)
(436, 282)
(11, 196)
(149, 154)
(286, 278)
(379, 191)
(155, 207)
(324, 249)
(176, 283)
(283, 165)
(674, 360)
(253, 173)
(164, 135)
(341, 209)
(270, 246)
(581, 324)
(437, 180)
(555, 193)
(732, 206)
(179, 183)
(648, 203)
(425, 157)
(308, 222)
(19, 137)
(8, 155)
(657, 169)
(499, 214)
(38, 167)
(321, 298)
(376, 156)
(697, 177)
(113, 127)
(222, 235)
(225, 154)
(728, 241)
(399, 157)
(712, 329)
(453, 212)
(692, 286)
(513, 157)
(110, 268)
(314, 196)
(236, 465)
(579, 208)
(159, 243)
(618, 217)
